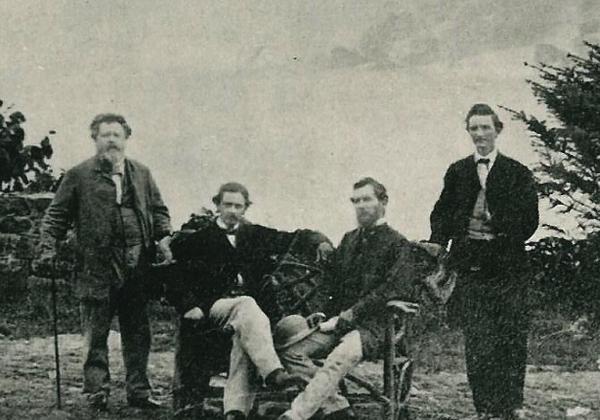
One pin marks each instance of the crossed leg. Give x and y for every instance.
(322, 390)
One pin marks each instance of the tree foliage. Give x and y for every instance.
(569, 144)
(18, 161)
(566, 275)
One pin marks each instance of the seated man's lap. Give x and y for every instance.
(320, 345)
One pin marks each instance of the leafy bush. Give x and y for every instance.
(567, 275)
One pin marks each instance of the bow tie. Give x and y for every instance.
(485, 162)
(230, 231)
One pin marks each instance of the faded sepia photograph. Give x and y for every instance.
(294, 210)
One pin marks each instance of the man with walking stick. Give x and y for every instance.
(118, 215)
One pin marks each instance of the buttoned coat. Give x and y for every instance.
(368, 270)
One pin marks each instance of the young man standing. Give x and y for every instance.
(488, 208)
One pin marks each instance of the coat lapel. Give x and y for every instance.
(472, 176)
(101, 169)
(497, 175)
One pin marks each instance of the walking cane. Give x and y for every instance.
(56, 355)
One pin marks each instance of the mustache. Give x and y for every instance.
(113, 155)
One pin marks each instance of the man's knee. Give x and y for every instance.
(351, 345)
(248, 307)
(246, 301)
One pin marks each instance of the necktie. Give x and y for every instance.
(483, 169)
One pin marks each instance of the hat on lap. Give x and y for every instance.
(290, 330)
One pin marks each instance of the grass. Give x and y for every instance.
(563, 369)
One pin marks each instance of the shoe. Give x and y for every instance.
(235, 415)
(147, 403)
(279, 378)
(98, 401)
(343, 414)
(285, 416)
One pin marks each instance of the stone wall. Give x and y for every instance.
(20, 289)
(20, 217)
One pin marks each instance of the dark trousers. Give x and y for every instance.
(495, 322)
(130, 305)
(201, 351)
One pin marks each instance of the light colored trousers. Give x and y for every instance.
(322, 389)
(252, 351)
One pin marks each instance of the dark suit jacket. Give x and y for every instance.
(210, 263)
(512, 201)
(369, 270)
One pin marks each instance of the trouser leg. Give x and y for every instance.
(511, 357)
(478, 353)
(136, 340)
(96, 316)
(495, 329)
(242, 381)
(252, 328)
(252, 349)
(323, 385)
(298, 359)
(191, 374)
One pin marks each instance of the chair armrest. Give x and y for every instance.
(402, 307)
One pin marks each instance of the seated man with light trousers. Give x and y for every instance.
(364, 276)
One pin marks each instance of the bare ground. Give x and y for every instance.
(440, 389)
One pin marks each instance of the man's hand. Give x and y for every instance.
(329, 325)
(165, 249)
(406, 307)
(315, 319)
(194, 314)
(435, 250)
(324, 251)
(347, 315)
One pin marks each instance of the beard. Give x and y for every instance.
(112, 156)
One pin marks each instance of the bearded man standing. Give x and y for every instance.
(119, 216)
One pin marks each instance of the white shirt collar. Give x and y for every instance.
(379, 222)
(491, 156)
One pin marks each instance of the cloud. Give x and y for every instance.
(435, 31)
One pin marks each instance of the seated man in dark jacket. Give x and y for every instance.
(227, 260)
(373, 264)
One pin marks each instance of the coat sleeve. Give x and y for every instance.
(60, 214)
(160, 213)
(521, 218)
(279, 242)
(398, 283)
(443, 211)
(185, 286)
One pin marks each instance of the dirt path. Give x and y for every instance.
(27, 392)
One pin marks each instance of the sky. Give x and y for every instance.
(295, 99)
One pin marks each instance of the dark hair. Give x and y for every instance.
(109, 118)
(378, 187)
(232, 187)
(484, 109)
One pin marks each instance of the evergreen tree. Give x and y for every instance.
(569, 145)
